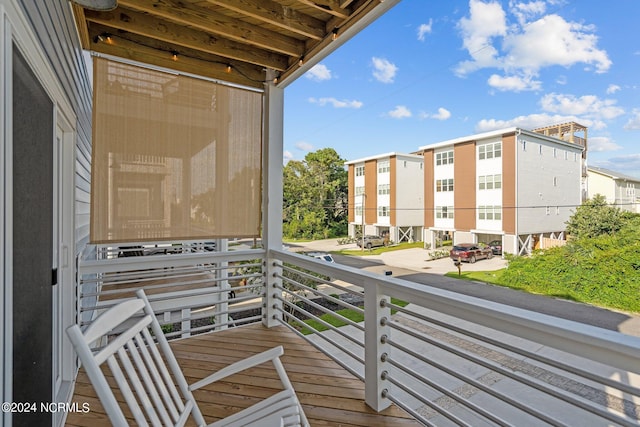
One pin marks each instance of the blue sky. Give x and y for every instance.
(428, 71)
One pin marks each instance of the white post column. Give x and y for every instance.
(272, 155)
(375, 349)
(221, 315)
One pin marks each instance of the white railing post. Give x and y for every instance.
(221, 316)
(375, 349)
(272, 152)
(271, 306)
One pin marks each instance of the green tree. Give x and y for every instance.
(315, 196)
(594, 218)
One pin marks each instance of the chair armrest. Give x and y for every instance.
(239, 366)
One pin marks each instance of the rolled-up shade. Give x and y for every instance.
(174, 157)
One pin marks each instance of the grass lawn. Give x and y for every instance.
(378, 251)
(479, 276)
(354, 316)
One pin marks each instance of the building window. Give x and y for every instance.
(444, 185)
(524, 145)
(383, 210)
(444, 212)
(566, 155)
(557, 210)
(555, 181)
(540, 149)
(383, 189)
(359, 170)
(555, 153)
(490, 213)
(490, 182)
(420, 165)
(489, 151)
(358, 210)
(444, 158)
(383, 166)
(404, 163)
(547, 210)
(359, 191)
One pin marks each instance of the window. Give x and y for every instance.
(557, 210)
(547, 210)
(404, 163)
(383, 166)
(444, 158)
(490, 213)
(358, 210)
(555, 153)
(359, 170)
(489, 151)
(383, 210)
(359, 191)
(524, 145)
(444, 212)
(444, 185)
(566, 155)
(383, 189)
(540, 149)
(555, 181)
(490, 182)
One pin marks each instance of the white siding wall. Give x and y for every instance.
(545, 205)
(601, 184)
(383, 178)
(492, 197)
(443, 198)
(358, 200)
(409, 191)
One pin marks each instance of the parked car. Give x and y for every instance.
(470, 252)
(496, 246)
(371, 241)
(323, 256)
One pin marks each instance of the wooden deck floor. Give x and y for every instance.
(330, 395)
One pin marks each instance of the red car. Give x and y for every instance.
(470, 252)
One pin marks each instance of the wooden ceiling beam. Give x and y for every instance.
(216, 23)
(274, 13)
(332, 7)
(143, 52)
(146, 25)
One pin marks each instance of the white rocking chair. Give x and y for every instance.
(160, 394)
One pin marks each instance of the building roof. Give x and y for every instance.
(612, 174)
(382, 156)
(496, 133)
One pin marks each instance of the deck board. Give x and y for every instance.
(330, 395)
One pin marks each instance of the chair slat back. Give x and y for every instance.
(137, 364)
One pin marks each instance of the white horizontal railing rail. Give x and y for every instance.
(451, 359)
(191, 288)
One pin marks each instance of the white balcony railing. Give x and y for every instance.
(446, 358)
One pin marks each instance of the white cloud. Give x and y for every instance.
(424, 29)
(514, 83)
(612, 89)
(531, 121)
(318, 73)
(304, 146)
(634, 121)
(400, 112)
(486, 21)
(524, 44)
(383, 70)
(336, 103)
(602, 143)
(442, 114)
(586, 106)
(287, 155)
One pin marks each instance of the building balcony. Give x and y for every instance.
(362, 348)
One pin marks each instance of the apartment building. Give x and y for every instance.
(620, 190)
(386, 196)
(515, 185)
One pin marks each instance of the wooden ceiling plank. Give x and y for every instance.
(78, 14)
(135, 51)
(331, 7)
(204, 19)
(146, 25)
(274, 13)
